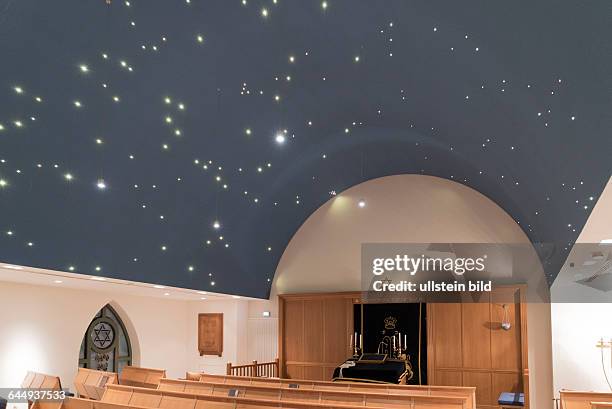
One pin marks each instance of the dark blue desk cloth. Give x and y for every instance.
(391, 371)
(511, 399)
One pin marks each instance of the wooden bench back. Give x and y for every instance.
(582, 400)
(601, 405)
(468, 393)
(90, 383)
(142, 377)
(367, 399)
(149, 398)
(37, 380)
(134, 396)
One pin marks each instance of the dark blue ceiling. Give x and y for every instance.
(510, 98)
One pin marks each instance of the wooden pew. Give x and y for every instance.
(36, 380)
(582, 400)
(286, 390)
(271, 398)
(601, 405)
(143, 377)
(201, 402)
(90, 383)
(453, 391)
(194, 388)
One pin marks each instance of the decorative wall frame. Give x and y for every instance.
(210, 334)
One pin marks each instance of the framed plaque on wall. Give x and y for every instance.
(210, 334)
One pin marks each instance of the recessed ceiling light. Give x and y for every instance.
(361, 203)
(158, 286)
(57, 281)
(202, 298)
(166, 293)
(235, 296)
(279, 138)
(216, 225)
(606, 241)
(202, 292)
(98, 278)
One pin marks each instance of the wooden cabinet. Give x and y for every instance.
(468, 347)
(210, 334)
(314, 334)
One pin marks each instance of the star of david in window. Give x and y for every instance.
(102, 335)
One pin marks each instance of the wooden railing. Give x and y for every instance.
(262, 370)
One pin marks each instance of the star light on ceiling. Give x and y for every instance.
(101, 184)
(280, 138)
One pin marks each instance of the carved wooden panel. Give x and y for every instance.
(447, 341)
(476, 335)
(482, 382)
(314, 334)
(210, 334)
(467, 345)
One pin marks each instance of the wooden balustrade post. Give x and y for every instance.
(276, 368)
(228, 368)
(254, 371)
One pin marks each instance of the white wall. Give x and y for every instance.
(234, 335)
(576, 330)
(41, 329)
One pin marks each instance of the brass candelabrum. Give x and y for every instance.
(357, 344)
(392, 346)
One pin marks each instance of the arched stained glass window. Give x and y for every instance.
(106, 345)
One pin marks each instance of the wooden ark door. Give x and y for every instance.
(468, 347)
(314, 334)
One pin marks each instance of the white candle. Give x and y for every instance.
(351, 344)
(394, 342)
(405, 342)
(361, 342)
(400, 340)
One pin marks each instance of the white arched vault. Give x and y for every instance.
(324, 255)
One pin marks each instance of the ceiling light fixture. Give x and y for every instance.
(280, 138)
